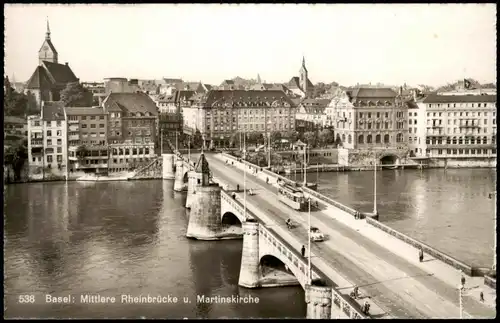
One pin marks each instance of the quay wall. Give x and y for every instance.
(490, 281)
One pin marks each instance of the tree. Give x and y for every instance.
(275, 136)
(235, 137)
(81, 152)
(197, 139)
(14, 103)
(319, 89)
(325, 137)
(292, 136)
(15, 156)
(254, 137)
(75, 95)
(311, 138)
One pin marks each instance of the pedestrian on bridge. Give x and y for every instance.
(303, 251)
(481, 296)
(420, 254)
(462, 280)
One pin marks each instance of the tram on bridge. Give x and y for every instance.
(292, 196)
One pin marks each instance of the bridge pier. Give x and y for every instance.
(319, 302)
(179, 175)
(192, 185)
(168, 166)
(249, 269)
(204, 218)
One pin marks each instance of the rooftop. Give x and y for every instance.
(9, 119)
(75, 111)
(130, 103)
(436, 98)
(245, 97)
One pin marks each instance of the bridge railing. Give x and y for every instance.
(317, 195)
(351, 308)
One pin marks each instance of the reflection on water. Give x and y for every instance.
(121, 238)
(447, 209)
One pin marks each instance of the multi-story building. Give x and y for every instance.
(371, 118)
(458, 130)
(312, 111)
(120, 85)
(47, 143)
(132, 124)
(170, 116)
(87, 139)
(414, 124)
(220, 114)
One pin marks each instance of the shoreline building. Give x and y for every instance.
(370, 122)
(50, 77)
(458, 129)
(87, 139)
(221, 114)
(132, 123)
(47, 141)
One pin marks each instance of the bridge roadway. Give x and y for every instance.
(400, 288)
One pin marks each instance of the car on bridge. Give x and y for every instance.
(316, 235)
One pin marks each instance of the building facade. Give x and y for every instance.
(368, 118)
(47, 140)
(313, 112)
(87, 139)
(220, 114)
(458, 128)
(132, 124)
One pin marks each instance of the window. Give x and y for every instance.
(59, 142)
(49, 142)
(49, 133)
(59, 158)
(58, 123)
(101, 117)
(84, 125)
(92, 117)
(49, 158)
(92, 125)
(386, 139)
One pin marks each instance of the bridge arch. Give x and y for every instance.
(283, 264)
(389, 159)
(230, 219)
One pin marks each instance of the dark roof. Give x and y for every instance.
(53, 110)
(183, 95)
(435, 98)
(131, 103)
(315, 102)
(227, 82)
(167, 80)
(294, 83)
(39, 79)
(208, 87)
(411, 104)
(76, 111)
(202, 165)
(60, 73)
(241, 97)
(372, 93)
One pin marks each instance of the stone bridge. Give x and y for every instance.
(268, 260)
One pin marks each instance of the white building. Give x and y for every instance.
(458, 130)
(47, 143)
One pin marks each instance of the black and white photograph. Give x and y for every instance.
(250, 161)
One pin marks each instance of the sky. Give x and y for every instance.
(347, 43)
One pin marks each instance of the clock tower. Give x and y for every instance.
(47, 52)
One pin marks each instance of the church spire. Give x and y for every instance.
(47, 35)
(258, 79)
(303, 61)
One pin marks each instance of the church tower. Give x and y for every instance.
(47, 52)
(303, 75)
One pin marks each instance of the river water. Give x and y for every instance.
(447, 209)
(121, 238)
(128, 238)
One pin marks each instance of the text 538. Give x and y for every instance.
(29, 299)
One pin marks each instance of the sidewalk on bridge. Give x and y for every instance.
(441, 270)
(344, 287)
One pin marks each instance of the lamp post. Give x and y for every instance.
(161, 141)
(244, 177)
(189, 148)
(305, 165)
(176, 143)
(493, 195)
(461, 288)
(375, 188)
(309, 244)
